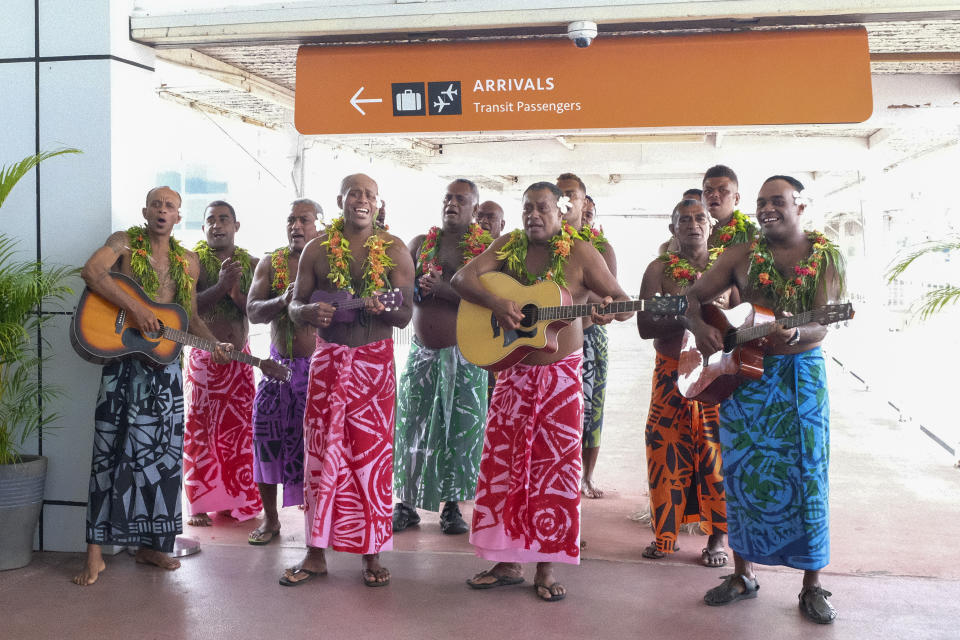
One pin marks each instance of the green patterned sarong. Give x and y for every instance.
(595, 354)
(441, 412)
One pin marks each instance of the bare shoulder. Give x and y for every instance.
(193, 263)
(119, 241)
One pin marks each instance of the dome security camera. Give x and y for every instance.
(582, 32)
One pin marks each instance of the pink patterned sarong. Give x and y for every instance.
(348, 438)
(218, 438)
(528, 494)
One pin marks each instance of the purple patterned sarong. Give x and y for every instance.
(278, 429)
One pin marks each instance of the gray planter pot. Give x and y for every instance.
(21, 500)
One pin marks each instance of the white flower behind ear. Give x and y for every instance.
(797, 198)
(563, 203)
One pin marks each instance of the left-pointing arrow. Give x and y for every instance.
(355, 99)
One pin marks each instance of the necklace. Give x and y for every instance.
(140, 252)
(473, 243)
(797, 292)
(339, 257)
(514, 252)
(210, 261)
(739, 229)
(681, 271)
(594, 237)
(281, 271)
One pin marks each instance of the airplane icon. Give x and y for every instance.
(440, 104)
(450, 92)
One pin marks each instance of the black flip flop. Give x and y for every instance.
(502, 581)
(287, 582)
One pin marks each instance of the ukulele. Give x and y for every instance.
(101, 331)
(744, 328)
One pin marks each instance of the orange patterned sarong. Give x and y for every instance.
(683, 460)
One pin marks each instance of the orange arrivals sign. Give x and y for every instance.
(749, 78)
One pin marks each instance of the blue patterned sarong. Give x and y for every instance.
(775, 434)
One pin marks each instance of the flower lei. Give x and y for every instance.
(473, 243)
(738, 229)
(793, 294)
(681, 271)
(594, 237)
(515, 254)
(225, 308)
(140, 252)
(281, 270)
(339, 256)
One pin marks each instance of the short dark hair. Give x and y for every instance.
(591, 200)
(472, 185)
(796, 184)
(697, 193)
(721, 171)
(573, 176)
(549, 186)
(223, 203)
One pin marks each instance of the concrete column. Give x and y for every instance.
(71, 77)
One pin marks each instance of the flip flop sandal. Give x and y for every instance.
(262, 538)
(554, 590)
(287, 582)
(707, 556)
(654, 553)
(372, 580)
(727, 592)
(501, 580)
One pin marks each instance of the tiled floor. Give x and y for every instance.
(895, 570)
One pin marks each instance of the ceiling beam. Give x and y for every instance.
(229, 74)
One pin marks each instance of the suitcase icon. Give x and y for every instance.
(409, 100)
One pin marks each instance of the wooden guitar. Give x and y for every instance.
(100, 332)
(347, 304)
(546, 310)
(744, 328)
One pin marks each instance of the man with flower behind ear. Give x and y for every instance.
(442, 400)
(595, 341)
(683, 446)
(278, 406)
(348, 424)
(775, 431)
(135, 473)
(527, 507)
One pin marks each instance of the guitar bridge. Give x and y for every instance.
(118, 325)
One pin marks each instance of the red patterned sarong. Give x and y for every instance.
(348, 438)
(683, 460)
(218, 439)
(528, 494)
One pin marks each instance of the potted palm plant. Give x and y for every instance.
(26, 287)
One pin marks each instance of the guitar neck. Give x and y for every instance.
(208, 345)
(573, 311)
(761, 330)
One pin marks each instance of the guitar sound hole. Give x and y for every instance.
(529, 315)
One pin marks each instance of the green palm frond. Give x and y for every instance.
(10, 174)
(918, 251)
(935, 300)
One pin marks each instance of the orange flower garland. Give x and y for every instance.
(339, 257)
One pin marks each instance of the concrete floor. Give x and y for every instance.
(895, 570)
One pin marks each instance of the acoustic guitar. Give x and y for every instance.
(101, 332)
(347, 305)
(744, 328)
(546, 310)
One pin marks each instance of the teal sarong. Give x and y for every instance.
(775, 434)
(441, 412)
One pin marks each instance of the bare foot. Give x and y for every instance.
(373, 573)
(589, 489)
(92, 568)
(200, 520)
(713, 554)
(156, 558)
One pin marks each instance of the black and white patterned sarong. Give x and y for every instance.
(136, 471)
